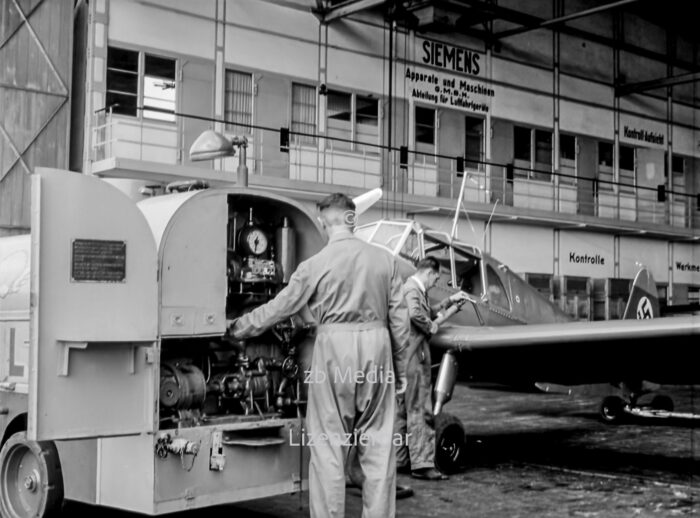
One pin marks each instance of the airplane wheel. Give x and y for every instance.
(450, 443)
(612, 410)
(664, 403)
(31, 484)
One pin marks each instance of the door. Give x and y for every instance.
(93, 349)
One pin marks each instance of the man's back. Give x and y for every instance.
(352, 281)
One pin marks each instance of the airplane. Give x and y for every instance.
(509, 333)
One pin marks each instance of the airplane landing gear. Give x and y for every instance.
(450, 443)
(615, 409)
(612, 409)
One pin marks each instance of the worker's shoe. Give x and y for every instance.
(428, 474)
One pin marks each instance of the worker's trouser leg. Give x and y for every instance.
(356, 396)
(418, 404)
(401, 433)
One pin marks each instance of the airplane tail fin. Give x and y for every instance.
(644, 300)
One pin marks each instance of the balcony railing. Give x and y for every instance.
(424, 175)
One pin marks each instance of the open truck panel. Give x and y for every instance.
(113, 319)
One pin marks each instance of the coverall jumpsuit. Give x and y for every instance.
(414, 416)
(354, 291)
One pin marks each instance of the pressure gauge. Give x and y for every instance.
(254, 241)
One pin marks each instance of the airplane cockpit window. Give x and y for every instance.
(467, 266)
(389, 234)
(411, 248)
(469, 278)
(495, 290)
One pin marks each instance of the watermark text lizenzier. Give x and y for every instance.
(337, 374)
(354, 438)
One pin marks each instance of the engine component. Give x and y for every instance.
(166, 444)
(182, 385)
(286, 249)
(259, 269)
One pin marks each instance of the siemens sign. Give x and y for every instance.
(449, 57)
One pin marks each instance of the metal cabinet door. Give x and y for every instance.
(94, 307)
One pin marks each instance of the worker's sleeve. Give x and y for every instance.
(416, 311)
(441, 306)
(399, 324)
(287, 302)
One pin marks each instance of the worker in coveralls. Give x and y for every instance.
(414, 417)
(353, 289)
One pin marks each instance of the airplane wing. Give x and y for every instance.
(661, 350)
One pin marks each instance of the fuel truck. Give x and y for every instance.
(119, 385)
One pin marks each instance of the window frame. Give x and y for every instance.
(300, 125)
(532, 172)
(140, 95)
(239, 126)
(352, 142)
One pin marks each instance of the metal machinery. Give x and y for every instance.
(119, 385)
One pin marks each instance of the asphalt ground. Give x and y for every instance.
(539, 455)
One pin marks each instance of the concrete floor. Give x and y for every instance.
(540, 455)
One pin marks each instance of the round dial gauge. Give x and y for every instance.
(254, 240)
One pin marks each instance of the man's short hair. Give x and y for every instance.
(336, 200)
(429, 263)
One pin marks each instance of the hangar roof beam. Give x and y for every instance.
(347, 8)
(562, 19)
(641, 86)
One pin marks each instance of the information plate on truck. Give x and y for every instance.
(97, 260)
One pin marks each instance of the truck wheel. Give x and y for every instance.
(31, 484)
(612, 410)
(450, 443)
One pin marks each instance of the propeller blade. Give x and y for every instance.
(366, 200)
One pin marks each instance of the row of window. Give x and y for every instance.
(352, 120)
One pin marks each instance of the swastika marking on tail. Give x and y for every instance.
(644, 309)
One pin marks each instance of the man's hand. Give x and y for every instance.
(433, 327)
(460, 296)
(400, 385)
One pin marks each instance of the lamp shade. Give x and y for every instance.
(210, 145)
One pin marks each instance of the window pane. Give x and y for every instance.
(367, 122)
(159, 94)
(543, 147)
(627, 158)
(238, 105)
(521, 143)
(339, 119)
(159, 88)
(160, 67)
(339, 106)
(123, 59)
(124, 104)
(495, 291)
(425, 125)
(126, 82)
(605, 154)
(122, 81)
(473, 147)
(303, 114)
(567, 147)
